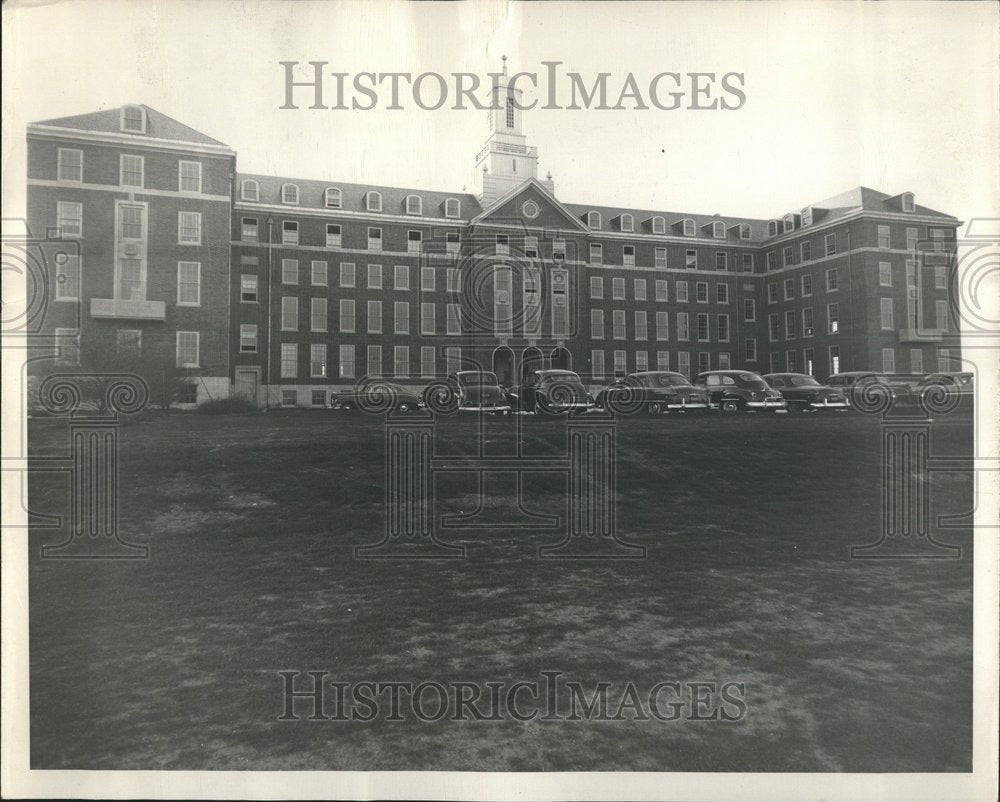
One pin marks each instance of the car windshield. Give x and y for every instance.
(803, 381)
(476, 378)
(669, 380)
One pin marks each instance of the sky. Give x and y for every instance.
(895, 96)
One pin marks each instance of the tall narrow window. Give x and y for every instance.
(68, 277)
(289, 360)
(187, 349)
(69, 219)
(131, 170)
(69, 165)
(189, 176)
(189, 283)
(189, 224)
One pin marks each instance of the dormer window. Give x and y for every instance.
(332, 198)
(594, 219)
(373, 201)
(133, 119)
(452, 208)
(249, 190)
(628, 222)
(745, 231)
(659, 225)
(807, 217)
(689, 230)
(772, 228)
(719, 230)
(290, 194)
(789, 223)
(907, 199)
(413, 204)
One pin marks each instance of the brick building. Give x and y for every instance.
(210, 281)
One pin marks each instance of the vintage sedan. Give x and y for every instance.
(655, 391)
(803, 392)
(858, 385)
(958, 383)
(376, 396)
(551, 392)
(478, 391)
(739, 391)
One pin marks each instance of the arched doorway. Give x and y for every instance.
(561, 359)
(531, 360)
(503, 365)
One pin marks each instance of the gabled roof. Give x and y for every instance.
(158, 126)
(519, 189)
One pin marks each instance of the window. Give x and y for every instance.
(790, 324)
(453, 320)
(684, 363)
(248, 229)
(663, 360)
(807, 322)
(808, 363)
(347, 321)
(789, 223)
(67, 277)
(832, 318)
(944, 359)
(189, 228)
(374, 277)
(401, 360)
(248, 338)
(594, 219)
(916, 360)
(332, 198)
(772, 293)
(374, 317)
(662, 326)
(189, 283)
(628, 256)
(772, 228)
(938, 236)
(807, 217)
(374, 239)
(374, 360)
(249, 190)
(772, 260)
(789, 289)
(289, 271)
(885, 309)
(834, 352)
(639, 289)
(659, 257)
(289, 232)
(317, 314)
(907, 201)
(805, 250)
(189, 176)
(940, 277)
(628, 222)
(688, 227)
(531, 246)
(662, 290)
(290, 194)
(597, 324)
(401, 277)
(791, 362)
(787, 256)
(317, 364)
(401, 317)
(642, 360)
(830, 242)
(454, 280)
(745, 231)
(318, 397)
(749, 310)
(884, 274)
(453, 358)
(618, 289)
(640, 325)
(659, 225)
(131, 170)
(452, 208)
(683, 328)
(719, 230)
(619, 363)
(941, 315)
(773, 328)
(248, 288)
(558, 249)
(701, 292)
(597, 364)
(452, 243)
(748, 263)
(427, 361)
(832, 279)
(722, 327)
(806, 284)
(773, 358)
(912, 236)
(596, 255)
(883, 238)
(289, 313)
(67, 347)
(133, 119)
(596, 287)
(701, 321)
(704, 361)
(69, 219)
(348, 275)
(427, 318)
(691, 260)
(750, 349)
(722, 293)
(347, 361)
(187, 349)
(69, 165)
(319, 273)
(333, 236)
(681, 291)
(413, 241)
(427, 279)
(618, 324)
(888, 360)
(721, 262)
(289, 361)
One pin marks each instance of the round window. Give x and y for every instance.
(530, 209)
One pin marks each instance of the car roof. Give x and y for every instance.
(806, 375)
(555, 371)
(657, 373)
(728, 372)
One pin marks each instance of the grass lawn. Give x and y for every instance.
(252, 520)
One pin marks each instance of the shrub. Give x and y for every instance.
(223, 406)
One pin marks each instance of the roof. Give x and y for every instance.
(158, 125)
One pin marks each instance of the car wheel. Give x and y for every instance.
(654, 408)
(730, 405)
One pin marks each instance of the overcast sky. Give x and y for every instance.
(893, 96)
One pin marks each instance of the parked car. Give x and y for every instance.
(478, 391)
(856, 383)
(739, 391)
(655, 391)
(803, 392)
(377, 396)
(552, 392)
(961, 383)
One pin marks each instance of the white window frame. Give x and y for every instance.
(323, 267)
(288, 361)
(140, 161)
(318, 307)
(627, 222)
(123, 115)
(457, 208)
(77, 217)
(61, 264)
(418, 208)
(593, 220)
(719, 229)
(180, 177)
(373, 201)
(333, 198)
(181, 227)
(180, 268)
(61, 165)
(284, 194)
(197, 350)
(245, 185)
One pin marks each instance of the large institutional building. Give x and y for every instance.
(208, 281)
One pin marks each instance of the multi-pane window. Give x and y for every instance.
(187, 349)
(249, 190)
(133, 119)
(807, 216)
(452, 208)
(374, 277)
(348, 275)
(832, 318)
(596, 287)
(503, 245)
(721, 261)
(414, 205)
(808, 363)
(131, 170)
(597, 324)
(289, 271)
(772, 260)
(558, 249)
(596, 255)
(722, 327)
(347, 322)
(681, 292)
(453, 319)
(683, 326)
(724, 360)
(832, 279)
(659, 257)
(189, 176)
(659, 225)
(807, 322)
(701, 321)
(750, 349)
(790, 324)
(189, 283)
(789, 223)
(806, 285)
(374, 238)
(374, 317)
(748, 263)
(662, 290)
(773, 328)
(189, 228)
(618, 324)
(290, 194)
(691, 259)
(319, 273)
(618, 289)
(788, 256)
(639, 289)
(317, 314)
(772, 293)
(944, 359)
(701, 292)
(67, 277)
(628, 256)
(749, 310)
(627, 222)
(888, 360)
(830, 244)
(427, 361)
(886, 313)
(883, 238)
(791, 362)
(642, 360)
(704, 361)
(662, 326)
(69, 219)
(789, 289)
(248, 229)
(248, 288)
(452, 358)
(317, 360)
(640, 324)
(454, 280)
(248, 338)
(401, 277)
(453, 243)
(289, 313)
(317, 397)
(346, 366)
(834, 352)
(333, 235)
(401, 360)
(805, 250)
(427, 318)
(885, 274)
(413, 241)
(374, 360)
(684, 363)
(332, 198)
(722, 293)
(289, 232)
(689, 230)
(401, 317)
(663, 360)
(597, 364)
(427, 279)
(912, 236)
(594, 219)
(373, 201)
(69, 165)
(916, 360)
